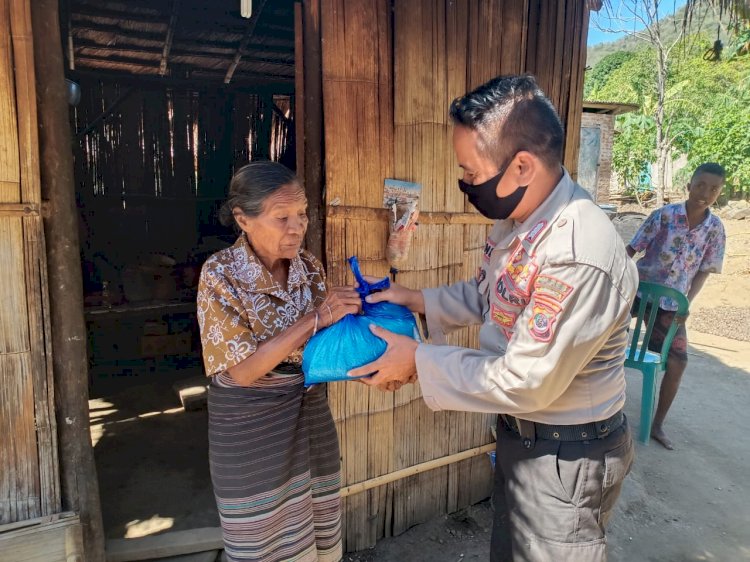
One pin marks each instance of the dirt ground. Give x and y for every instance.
(691, 504)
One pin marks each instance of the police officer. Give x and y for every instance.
(553, 298)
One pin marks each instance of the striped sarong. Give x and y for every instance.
(275, 469)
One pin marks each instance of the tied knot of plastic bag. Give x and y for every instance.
(349, 343)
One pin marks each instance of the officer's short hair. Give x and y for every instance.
(710, 168)
(510, 114)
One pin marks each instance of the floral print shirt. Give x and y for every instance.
(675, 253)
(240, 304)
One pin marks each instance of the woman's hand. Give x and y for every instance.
(339, 302)
(397, 294)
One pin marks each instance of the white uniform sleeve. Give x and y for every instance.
(451, 307)
(552, 342)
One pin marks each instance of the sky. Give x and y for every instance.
(596, 36)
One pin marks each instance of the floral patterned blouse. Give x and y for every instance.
(675, 253)
(240, 305)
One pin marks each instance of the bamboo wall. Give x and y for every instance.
(153, 172)
(390, 70)
(29, 480)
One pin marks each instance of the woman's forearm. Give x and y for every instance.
(273, 351)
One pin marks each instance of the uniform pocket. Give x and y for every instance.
(617, 463)
(572, 466)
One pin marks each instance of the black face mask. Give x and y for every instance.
(484, 197)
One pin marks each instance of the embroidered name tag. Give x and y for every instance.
(551, 287)
(503, 318)
(489, 246)
(504, 293)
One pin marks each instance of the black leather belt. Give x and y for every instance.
(582, 432)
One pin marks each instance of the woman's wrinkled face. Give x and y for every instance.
(279, 231)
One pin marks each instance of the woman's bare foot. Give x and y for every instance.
(658, 433)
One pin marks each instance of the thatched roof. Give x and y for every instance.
(202, 40)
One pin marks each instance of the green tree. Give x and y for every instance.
(664, 42)
(706, 109)
(633, 150)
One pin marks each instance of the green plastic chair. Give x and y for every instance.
(638, 356)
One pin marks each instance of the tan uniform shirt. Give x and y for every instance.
(240, 305)
(553, 296)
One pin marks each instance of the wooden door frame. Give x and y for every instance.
(308, 86)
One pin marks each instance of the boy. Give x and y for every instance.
(683, 243)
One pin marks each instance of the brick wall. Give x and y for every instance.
(606, 124)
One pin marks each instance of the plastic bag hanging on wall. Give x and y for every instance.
(349, 343)
(402, 199)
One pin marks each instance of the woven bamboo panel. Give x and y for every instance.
(19, 479)
(29, 481)
(14, 333)
(387, 87)
(10, 191)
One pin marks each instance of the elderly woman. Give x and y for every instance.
(273, 447)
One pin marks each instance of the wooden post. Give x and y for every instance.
(80, 491)
(312, 141)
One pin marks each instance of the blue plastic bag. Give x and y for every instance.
(349, 343)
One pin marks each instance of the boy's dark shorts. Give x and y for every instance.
(678, 351)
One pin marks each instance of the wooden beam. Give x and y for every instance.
(299, 95)
(235, 24)
(416, 469)
(18, 210)
(174, 543)
(80, 489)
(131, 15)
(198, 82)
(146, 63)
(43, 539)
(280, 113)
(373, 214)
(126, 37)
(170, 37)
(245, 40)
(203, 50)
(313, 126)
(131, 54)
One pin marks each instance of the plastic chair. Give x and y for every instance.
(638, 356)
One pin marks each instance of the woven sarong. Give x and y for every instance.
(274, 457)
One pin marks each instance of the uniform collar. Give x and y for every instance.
(530, 231)
(264, 282)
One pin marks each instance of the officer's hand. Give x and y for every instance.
(396, 367)
(397, 294)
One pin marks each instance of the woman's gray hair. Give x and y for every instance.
(251, 185)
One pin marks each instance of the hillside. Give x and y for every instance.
(706, 21)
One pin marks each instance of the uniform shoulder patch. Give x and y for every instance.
(551, 288)
(543, 320)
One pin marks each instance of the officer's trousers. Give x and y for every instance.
(553, 500)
